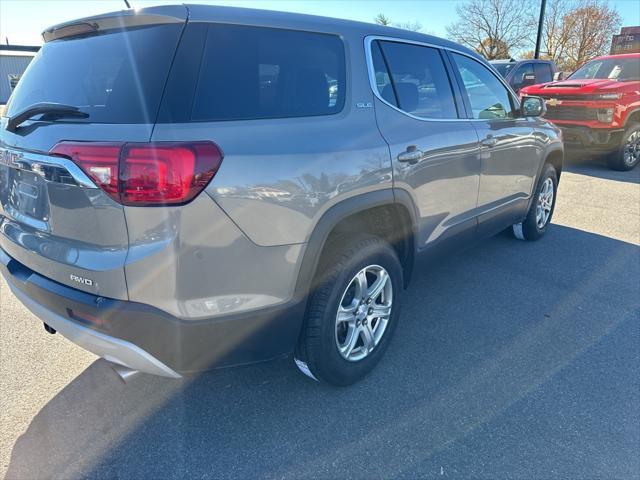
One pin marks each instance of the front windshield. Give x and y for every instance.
(503, 68)
(621, 69)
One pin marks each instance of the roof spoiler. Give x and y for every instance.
(118, 20)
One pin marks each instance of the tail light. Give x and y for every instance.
(146, 174)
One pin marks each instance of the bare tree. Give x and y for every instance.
(382, 19)
(494, 28)
(411, 26)
(576, 31)
(557, 29)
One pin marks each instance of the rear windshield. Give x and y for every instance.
(115, 77)
(254, 72)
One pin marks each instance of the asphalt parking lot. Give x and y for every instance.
(513, 360)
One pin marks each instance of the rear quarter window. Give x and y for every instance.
(254, 73)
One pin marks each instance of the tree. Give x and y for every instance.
(576, 31)
(557, 29)
(494, 27)
(496, 48)
(382, 19)
(411, 26)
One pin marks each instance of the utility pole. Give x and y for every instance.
(543, 5)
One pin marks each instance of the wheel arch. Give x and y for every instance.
(555, 158)
(360, 211)
(632, 117)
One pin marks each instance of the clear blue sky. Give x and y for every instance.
(22, 21)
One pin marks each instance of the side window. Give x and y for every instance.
(543, 73)
(518, 75)
(488, 97)
(418, 82)
(383, 80)
(254, 72)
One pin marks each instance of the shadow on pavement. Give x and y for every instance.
(472, 385)
(597, 167)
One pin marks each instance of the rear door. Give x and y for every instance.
(434, 149)
(509, 152)
(53, 217)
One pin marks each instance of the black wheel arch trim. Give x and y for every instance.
(541, 168)
(333, 216)
(629, 115)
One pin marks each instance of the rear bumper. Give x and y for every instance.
(579, 137)
(144, 338)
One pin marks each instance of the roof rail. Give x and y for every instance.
(20, 48)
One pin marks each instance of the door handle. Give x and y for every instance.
(411, 156)
(490, 141)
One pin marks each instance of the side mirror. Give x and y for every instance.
(533, 107)
(528, 79)
(558, 76)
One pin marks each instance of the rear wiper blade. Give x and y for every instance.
(57, 110)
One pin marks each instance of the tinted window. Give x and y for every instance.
(251, 73)
(503, 68)
(115, 77)
(418, 81)
(518, 75)
(383, 80)
(543, 72)
(488, 97)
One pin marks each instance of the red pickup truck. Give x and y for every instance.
(598, 108)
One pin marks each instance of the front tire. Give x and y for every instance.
(627, 156)
(353, 311)
(538, 218)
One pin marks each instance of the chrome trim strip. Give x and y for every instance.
(50, 168)
(374, 87)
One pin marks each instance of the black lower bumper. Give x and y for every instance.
(183, 345)
(584, 138)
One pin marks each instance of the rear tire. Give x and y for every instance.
(627, 156)
(538, 218)
(343, 338)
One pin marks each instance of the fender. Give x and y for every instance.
(630, 114)
(555, 148)
(333, 216)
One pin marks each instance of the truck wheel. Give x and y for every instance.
(628, 155)
(353, 311)
(535, 224)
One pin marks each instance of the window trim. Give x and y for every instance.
(368, 41)
(515, 102)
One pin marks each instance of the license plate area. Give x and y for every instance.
(24, 194)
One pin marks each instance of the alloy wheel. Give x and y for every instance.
(363, 313)
(545, 203)
(631, 152)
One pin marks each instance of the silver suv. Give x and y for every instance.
(190, 187)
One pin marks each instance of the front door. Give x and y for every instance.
(508, 150)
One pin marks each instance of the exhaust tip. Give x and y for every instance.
(125, 374)
(49, 329)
